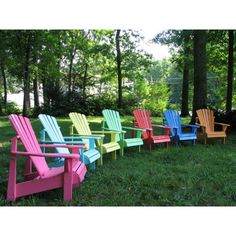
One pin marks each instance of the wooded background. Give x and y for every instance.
(89, 70)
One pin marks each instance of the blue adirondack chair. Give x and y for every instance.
(52, 129)
(173, 120)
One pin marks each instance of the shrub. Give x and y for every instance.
(229, 118)
(11, 108)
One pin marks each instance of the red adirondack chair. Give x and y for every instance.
(143, 121)
(44, 178)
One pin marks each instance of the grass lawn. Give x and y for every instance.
(200, 175)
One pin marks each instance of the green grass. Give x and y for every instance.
(200, 175)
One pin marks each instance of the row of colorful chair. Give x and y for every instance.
(85, 147)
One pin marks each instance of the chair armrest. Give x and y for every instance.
(96, 134)
(161, 126)
(149, 129)
(200, 125)
(189, 125)
(106, 132)
(62, 146)
(120, 131)
(84, 136)
(88, 136)
(71, 137)
(51, 155)
(132, 128)
(60, 142)
(217, 123)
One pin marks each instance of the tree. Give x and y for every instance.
(230, 71)
(181, 48)
(119, 74)
(185, 84)
(77, 62)
(3, 62)
(200, 78)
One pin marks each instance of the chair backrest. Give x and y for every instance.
(113, 121)
(80, 122)
(173, 120)
(27, 136)
(206, 118)
(142, 117)
(81, 125)
(53, 130)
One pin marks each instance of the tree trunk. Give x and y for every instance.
(84, 82)
(185, 88)
(45, 96)
(72, 55)
(230, 72)
(4, 85)
(200, 77)
(118, 61)
(36, 92)
(26, 102)
(185, 85)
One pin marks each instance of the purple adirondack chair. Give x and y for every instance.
(44, 178)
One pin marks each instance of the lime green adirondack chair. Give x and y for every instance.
(112, 122)
(81, 125)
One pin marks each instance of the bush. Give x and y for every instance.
(130, 103)
(74, 102)
(101, 102)
(11, 108)
(229, 118)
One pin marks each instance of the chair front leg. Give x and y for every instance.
(122, 144)
(92, 166)
(100, 143)
(11, 188)
(113, 155)
(68, 180)
(194, 130)
(224, 128)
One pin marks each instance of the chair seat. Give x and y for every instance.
(133, 142)
(79, 168)
(215, 134)
(90, 156)
(161, 139)
(109, 147)
(187, 136)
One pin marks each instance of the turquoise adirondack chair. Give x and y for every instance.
(173, 120)
(52, 129)
(81, 125)
(42, 178)
(112, 122)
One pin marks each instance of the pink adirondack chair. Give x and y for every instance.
(44, 178)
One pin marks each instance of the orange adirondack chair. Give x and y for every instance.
(44, 178)
(143, 121)
(205, 118)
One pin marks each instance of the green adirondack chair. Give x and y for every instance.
(112, 122)
(81, 125)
